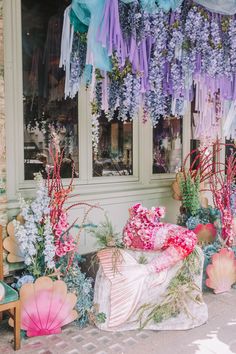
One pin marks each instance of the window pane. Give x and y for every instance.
(115, 148)
(230, 147)
(167, 145)
(45, 109)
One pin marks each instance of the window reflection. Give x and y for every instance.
(45, 109)
(230, 147)
(167, 145)
(115, 148)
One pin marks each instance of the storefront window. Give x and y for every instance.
(167, 145)
(115, 148)
(45, 109)
(230, 147)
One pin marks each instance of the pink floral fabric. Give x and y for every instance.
(145, 231)
(139, 232)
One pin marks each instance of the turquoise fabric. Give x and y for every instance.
(90, 13)
(149, 5)
(81, 11)
(87, 75)
(153, 5)
(10, 294)
(77, 24)
(168, 5)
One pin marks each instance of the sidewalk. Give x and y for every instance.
(218, 336)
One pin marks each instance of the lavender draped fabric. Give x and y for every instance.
(110, 36)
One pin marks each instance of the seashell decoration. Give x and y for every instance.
(11, 245)
(222, 272)
(2, 292)
(176, 192)
(206, 233)
(46, 307)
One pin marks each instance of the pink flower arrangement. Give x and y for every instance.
(145, 231)
(221, 187)
(64, 242)
(139, 232)
(183, 241)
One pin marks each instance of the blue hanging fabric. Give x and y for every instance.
(224, 7)
(77, 24)
(90, 12)
(87, 75)
(153, 5)
(149, 5)
(81, 11)
(168, 5)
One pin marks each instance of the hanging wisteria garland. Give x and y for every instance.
(161, 60)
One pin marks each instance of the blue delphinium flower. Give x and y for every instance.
(78, 283)
(192, 222)
(25, 279)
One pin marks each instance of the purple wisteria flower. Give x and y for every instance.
(216, 54)
(129, 105)
(155, 99)
(205, 46)
(232, 38)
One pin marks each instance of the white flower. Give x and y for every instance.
(50, 249)
(36, 228)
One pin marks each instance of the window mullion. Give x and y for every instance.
(145, 151)
(83, 135)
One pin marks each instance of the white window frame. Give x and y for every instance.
(142, 179)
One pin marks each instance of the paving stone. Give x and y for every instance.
(215, 337)
(33, 345)
(94, 332)
(90, 347)
(130, 341)
(62, 345)
(69, 331)
(73, 351)
(142, 335)
(78, 338)
(117, 348)
(54, 338)
(104, 340)
(118, 334)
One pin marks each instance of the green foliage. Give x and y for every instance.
(101, 317)
(117, 73)
(180, 290)
(94, 108)
(106, 236)
(142, 259)
(190, 189)
(82, 287)
(98, 75)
